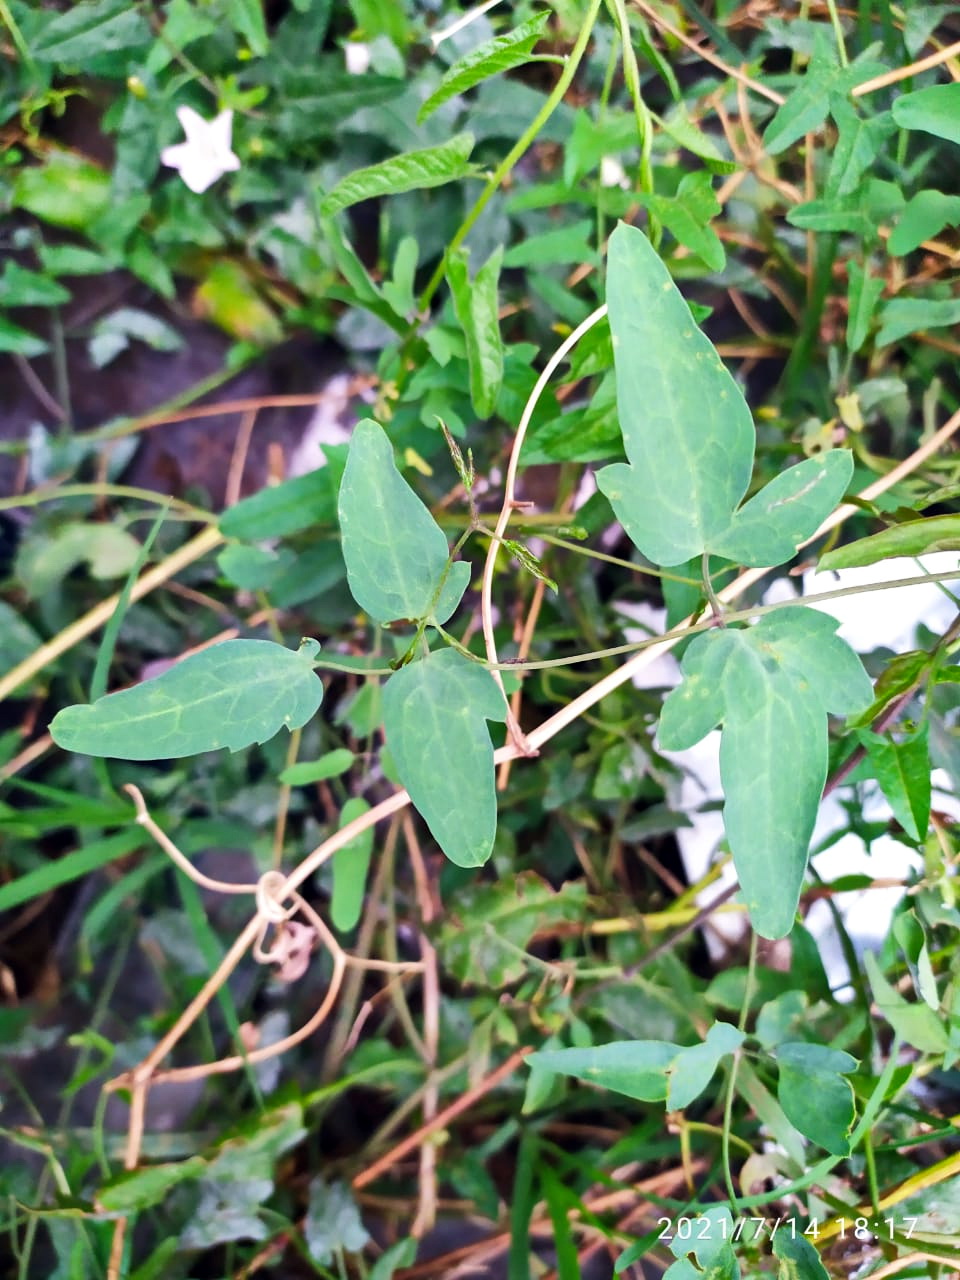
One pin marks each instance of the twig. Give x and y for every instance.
(427, 1181)
(903, 73)
(238, 459)
(101, 613)
(463, 1103)
(658, 20)
(523, 651)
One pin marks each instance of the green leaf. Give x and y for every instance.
(18, 639)
(398, 1257)
(799, 1260)
(144, 1188)
(901, 317)
(709, 1244)
(912, 538)
(815, 1097)
(113, 333)
(863, 294)
(637, 1068)
(858, 143)
(476, 305)
(687, 215)
(860, 213)
(489, 59)
(917, 1024)
(399, 292)
(69, 867)
(90, 29)
(22, 288)
(434, 713)
(770, 527)
(771, 685)
(330, 765)
(806, 108)
(282, 509)
(909, 933)
(411, 171)
(903, 772)
(589, 140)
(254, 568)
(72, 260)
(686, 428)
(230, 695)
(482, 938)
(924, 216)
(649, 1070)
(561, 245)
(694, 1067)
(688, 135)
(333, 1224)
(246, 18)
(229, 297)
(19, 341)
(350, 867)
(65, 190)
(395, 551)
(935, 110)
(44, 561)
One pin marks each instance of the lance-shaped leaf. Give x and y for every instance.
(230, 695)
(350, 867)
(687, 431)
(903, 771)
(410, 171)
(395, 552)
(476, 306)
(435, 714)
(912, 538)
(770, 527)
(650, 1070)
(815, 1097)
(488, 59)
(824, 80)
(771, 686)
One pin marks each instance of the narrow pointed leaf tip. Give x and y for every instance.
(771, 686)
(395, 552)
(231, 695)
(434, 712)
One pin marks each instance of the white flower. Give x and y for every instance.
(612, 173)
(357, 57)
(206, 154)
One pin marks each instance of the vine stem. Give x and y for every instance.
(502, 170)
(509, 503)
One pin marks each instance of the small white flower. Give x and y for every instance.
(357, 56)
(206, 154)
(612, 173)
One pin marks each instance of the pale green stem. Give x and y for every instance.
(838, 33)
(505, 166)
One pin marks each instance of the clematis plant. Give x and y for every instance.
(206, 155)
